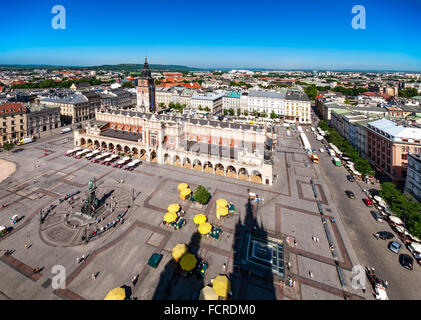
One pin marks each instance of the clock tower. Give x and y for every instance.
(146, 90)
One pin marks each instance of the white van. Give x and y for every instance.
(65, 130)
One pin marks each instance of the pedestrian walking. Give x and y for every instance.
(83, 257)
(77, 259)
(317, 240)
(26, 246)
(310, 273)
(224, 267)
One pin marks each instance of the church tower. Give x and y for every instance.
(146, 90)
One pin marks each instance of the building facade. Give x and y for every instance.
(388, 145)
(217, 147)
(41, 118)
(13, 122)
(413, 176)
(73, 109)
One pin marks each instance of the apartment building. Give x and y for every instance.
(13, 122)
(73, 108)
(41, 118)
(210, 100)
(297, 107)
(388, 145)
(413, 176)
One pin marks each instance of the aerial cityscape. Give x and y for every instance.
(141, 168)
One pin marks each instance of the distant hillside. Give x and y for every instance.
(116, 67)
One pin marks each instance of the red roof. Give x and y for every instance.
(12, 108)
(376, 94)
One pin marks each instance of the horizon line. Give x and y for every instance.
(213, 68)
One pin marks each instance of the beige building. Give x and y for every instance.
(229, 149)
(13, 122)
(73, 109)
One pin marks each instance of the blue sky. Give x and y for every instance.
(306, 34)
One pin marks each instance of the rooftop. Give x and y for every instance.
(396, 131)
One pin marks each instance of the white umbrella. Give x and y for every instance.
(106, 154)
(126, 158)
(86, 150)
(121, 162)
(89, 155)
(77, 149)
(95, 151)
(400, 229)
(415, 238)
(70, 151)
(378, 198)
(108, 159)
(114, 156)
(416, 246)
(396, 220)
(99, 157)
(131, 164)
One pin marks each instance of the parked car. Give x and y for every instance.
(406, 261)
(350, 194)
(350, 178)
(395, 246)
(385, 235)
(368, 202)
(376, 215)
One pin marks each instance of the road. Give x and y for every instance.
(360, 226)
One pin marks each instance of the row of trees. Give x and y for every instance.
(49, 83)
(408, 93)
(404, 207)
(177, 106)
(360, 164)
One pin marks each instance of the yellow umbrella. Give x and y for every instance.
(184, 193)
(116, 294)
(174, 207)
(221, 211)
(179, 251)
(208, 293)
(205, 228)
(188, 262)
(221, 285)
(182, 186)
(221, 203)
(170, 217)
(199, 218)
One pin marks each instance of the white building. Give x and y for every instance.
(266, 101)
(211, 100)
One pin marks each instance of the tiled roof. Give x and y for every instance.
(12, 108)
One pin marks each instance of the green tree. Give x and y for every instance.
(273, 115)
(311, 91)
(8, 146)
(347, 101)
(246, 113)
(255, 113)
(231, 111)
(408, 92)
(127, 84)
(207, 109)
(264, 115)
(201, 195)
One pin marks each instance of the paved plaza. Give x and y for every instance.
(288, 213)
